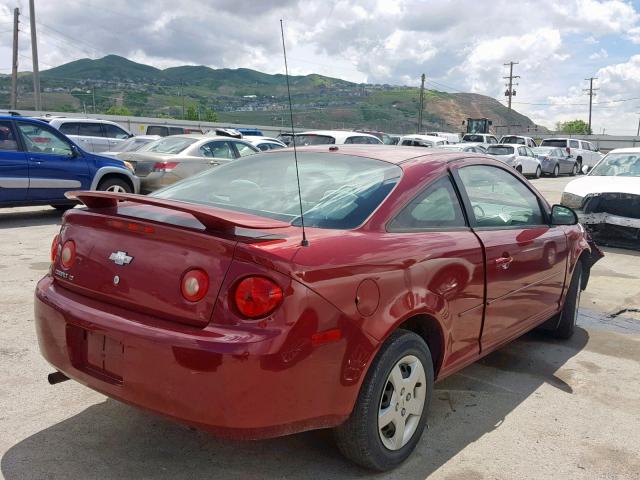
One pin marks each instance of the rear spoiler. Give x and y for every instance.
(211, 217)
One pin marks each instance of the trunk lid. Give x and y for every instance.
(134, 254)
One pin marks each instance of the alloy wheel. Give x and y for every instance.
(116, 189)
(402, 402)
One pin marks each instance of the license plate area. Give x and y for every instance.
(96, 354)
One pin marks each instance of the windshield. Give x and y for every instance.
(473, 138)
(338, 191)
(131, 145)
(516, 140)
(312, 139)
(618, 165)
(500, 150)
(554, 143)
(169, 145)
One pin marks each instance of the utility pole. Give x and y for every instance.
(590, 91)
(182, 95)
(34, 56)
(14, 64)
(421, 105)
(510, 91)
(638, 132)
(93, 96)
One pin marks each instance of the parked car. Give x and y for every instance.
(391, 139)
(91, 134)
(385, 138)
(519, 140)
(38, 164)
(421, 141)
(484, 138)
(285, 138)
(449, 137)
(264, 143)
(519, 157)
(584, 152)
(555, 161)
(176, 157)
(607, 200)
(131, 145)
(400, 284)
(250, 132)
(464, 147)
(167, 130)
(338, 137)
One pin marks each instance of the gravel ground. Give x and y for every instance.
(536, 409)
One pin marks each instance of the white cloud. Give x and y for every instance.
(599, 55)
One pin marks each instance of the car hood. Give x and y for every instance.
(600, 184)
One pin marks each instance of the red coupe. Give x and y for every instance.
(201, 302)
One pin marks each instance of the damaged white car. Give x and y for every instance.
(607, 200)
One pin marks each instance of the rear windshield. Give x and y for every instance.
(500, 150)
(473, 138)
(170, 145)
(338, 191)
(544, 150)
(516, 140)
(314, 140)
(554, 143)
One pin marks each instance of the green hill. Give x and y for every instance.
(247, 96)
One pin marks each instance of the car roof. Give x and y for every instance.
(81, 120)
(431, 138)
(338, 134)
(626, 150)
(386, 153)
(23, 119)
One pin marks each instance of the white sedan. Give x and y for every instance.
(519, 157)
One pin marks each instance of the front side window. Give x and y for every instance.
(436, 207)
(498, 199)
(41, 139)
(338, 191)
(217, 150)
(111, 131)
(8, 141)
(244, 149)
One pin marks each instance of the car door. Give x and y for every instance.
(566, 163)
(525, 257)
(14, 169)
(430, 224)
(95, 132)
(55, 166)
(114, 135)
(218, 152)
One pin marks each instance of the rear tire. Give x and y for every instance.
(391, 410)
(569, 314)
(556, 171)
(115, 185)
(538, 172)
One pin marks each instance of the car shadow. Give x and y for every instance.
(29, 218)
(113, 440)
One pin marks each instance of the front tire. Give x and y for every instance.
(63, 207)
(569, 314)
(115, 185)
(391, 411)
(556, 171)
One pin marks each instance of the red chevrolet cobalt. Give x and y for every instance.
(203, 303)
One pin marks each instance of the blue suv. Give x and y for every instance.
(38, 164)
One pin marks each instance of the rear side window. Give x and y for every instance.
(554, 143)
(90, 130)
(218, 150)
(498, 199)
(437, 207)
(7, 138)
(157, 130)
(244, 149)
(69, 128)
(176, 130)
(573, 144)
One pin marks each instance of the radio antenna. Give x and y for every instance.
(305, 242)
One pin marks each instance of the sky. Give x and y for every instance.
(461, 45)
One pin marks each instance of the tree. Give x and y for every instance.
(579, 127)
(119, 111)
(192, 113)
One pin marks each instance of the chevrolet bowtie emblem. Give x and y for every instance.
(120, 258)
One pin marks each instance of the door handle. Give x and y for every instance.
(504, 262)
(35, 160)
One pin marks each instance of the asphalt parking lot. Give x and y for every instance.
(536, 409)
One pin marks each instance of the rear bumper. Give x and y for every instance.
(236, 383)
(156, 180)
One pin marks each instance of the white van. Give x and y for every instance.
(91, 134)
(450, 137)
(421, 141)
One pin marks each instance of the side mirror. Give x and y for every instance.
(561, 215)
(585, 169)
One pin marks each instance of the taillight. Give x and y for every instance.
(164, 166)
(68, 254)
(54, 248)
(257, 297)
(194, 285)
(568, 150)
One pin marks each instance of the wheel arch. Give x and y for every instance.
(115, 172)
(430, 330)
(118, 176)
